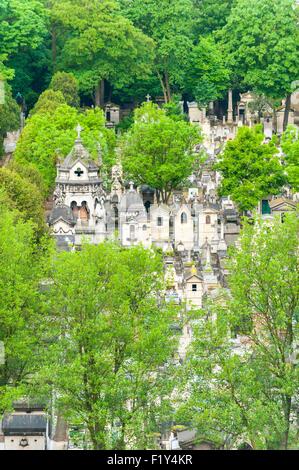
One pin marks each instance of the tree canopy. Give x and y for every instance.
(68, 85)
(24, 196)
(99, 45)
(50, 134)
(261, 40)
(246, 391)
(112, 343)
(9, 116)
(290, 147)
(170, 24)
(22, 24)
(207, 76)
(21, 271)
(159, 151)
(250, 169)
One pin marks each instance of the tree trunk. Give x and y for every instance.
(97, 443)
(54, 48)
(287, 112)
(120, 444)
(158, 196)
(167, 87)
(163, 196)
(100, 94)
(60, 429)
(163, 88)
(274, 120)
(287, 413)
(110, 93)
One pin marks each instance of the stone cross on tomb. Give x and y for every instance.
(79, 129)
(148, 97)
(79, 172)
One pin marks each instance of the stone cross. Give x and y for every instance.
(79, 129)
(148, 97)
(79, 172)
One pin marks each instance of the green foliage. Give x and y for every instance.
(21, 269)
(22, 24)
(67, 84)
(261, 39)
(173, 109)
(32, 72)
(249, 395)
(9, 116)
(50, 134)
(5, 72)
(211, 15)
(126, 123)
(159, 151)
(99, 43)
(250, 169)
(48, 102)
(170, 24)
(208, 76)
(290, 147)
(23, 196)
(112, 343)
(29, 172)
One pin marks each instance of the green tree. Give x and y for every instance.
(50, 134)
(9, 116)
(68, 85)
(174, 110)
(250, 394)
(208, 76)
(211, 15)
(5, 72)
(29, 172)
(170, 24)
(21, 270)
(262, 43)
(250, 169)
(110, 365)
(100, 45)
(22, 24)
(290, 147)
(159, 151)
(23, 196)
(32, 72)
(48, 102)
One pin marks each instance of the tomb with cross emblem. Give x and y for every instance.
(79, 197)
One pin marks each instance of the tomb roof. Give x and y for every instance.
(131, 201)
(21, 423)
(282, 201)
(62, 212)
(79, 152)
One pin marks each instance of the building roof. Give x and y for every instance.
(79, 152)
(230, 215)
(24, 423)
(196, 278)
(280, 201)
(62, 212)
(211, 208)
(131, 201)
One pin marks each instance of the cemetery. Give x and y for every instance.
(149, 197)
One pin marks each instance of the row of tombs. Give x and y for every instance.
(82, 209)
